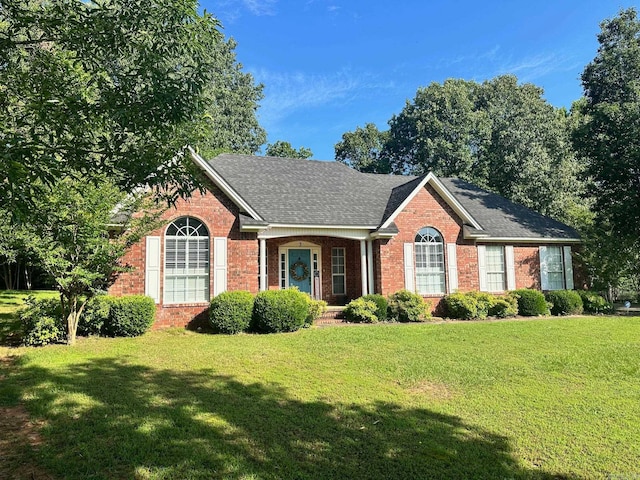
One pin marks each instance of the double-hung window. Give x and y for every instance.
(496, 277)
(555, 268)
(186, 264)
(338, 271)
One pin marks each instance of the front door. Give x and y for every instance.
(300, 272)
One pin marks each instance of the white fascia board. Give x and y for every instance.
(223, 185)
(327, 227)
(296, 231)
(444, 193)
(375, 235)
(538, 241)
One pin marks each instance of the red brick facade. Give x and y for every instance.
(220, 215)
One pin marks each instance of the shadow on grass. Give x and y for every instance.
(109, 419)
(10, 330)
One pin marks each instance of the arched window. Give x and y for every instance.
(186, 261)
(429, 249)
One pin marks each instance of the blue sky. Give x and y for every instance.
(329, 66)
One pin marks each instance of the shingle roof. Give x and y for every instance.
(307, 192)
(310, 192)
(502, 218)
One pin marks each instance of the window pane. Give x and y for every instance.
(338, 271)
(429, 258)
(186, 261)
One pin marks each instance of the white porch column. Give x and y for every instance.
(370, 265)
(363, 265)
(263, 264)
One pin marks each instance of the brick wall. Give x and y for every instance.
(219, 214)
(428, 209)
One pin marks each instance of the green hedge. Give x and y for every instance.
(479, 305)
(460, 306)
(95, 314)
(361, 310)
(316, 309)
(531, 303)
(594, 302)
(564, 302)
(504, 306)
(129, 316)
(277, 311)
(230, 312)
(405, 306)
(382, 305)
(42, 321)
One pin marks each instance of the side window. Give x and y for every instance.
(338, 271)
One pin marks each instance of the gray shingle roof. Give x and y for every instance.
(307, 192)
(310, 192)
(502, 218)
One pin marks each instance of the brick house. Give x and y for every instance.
(271, 223)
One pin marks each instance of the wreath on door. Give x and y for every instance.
(296, 267)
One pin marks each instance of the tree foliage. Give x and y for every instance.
(500, 135)
(609, 137)
(71, 222)
(363, 148)
(284, 149)
(115, 87)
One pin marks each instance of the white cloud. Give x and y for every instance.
(260, 7)
(287, 93)
(232, 10)
(531, 68)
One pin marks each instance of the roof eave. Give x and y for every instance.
(446, 196)
(217, 179)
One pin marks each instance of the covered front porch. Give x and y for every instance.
(334, 267)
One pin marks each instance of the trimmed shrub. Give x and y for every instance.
(95, 314)
(316, 309)
(484, 301)
(382, 306)
(129, 316)
(361, 311)
(594, 303)
(564, 302)
(504, 306)
(230, 312)
(405, 306)
(42, 321)
(277, 311)
(531, 303)
(461, 306)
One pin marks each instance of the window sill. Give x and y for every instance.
(185, 304)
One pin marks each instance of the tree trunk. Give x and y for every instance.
(73, 318)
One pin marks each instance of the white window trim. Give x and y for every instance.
(415, 263)
(503, 271)
(166, 275)
(566, 270)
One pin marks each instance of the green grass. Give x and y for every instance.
(557, 398)
(10, 301)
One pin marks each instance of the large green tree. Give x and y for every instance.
(115, 87)
(363, 148)
(500, 135)
(609, 138)
(441, 131)
(284, 149)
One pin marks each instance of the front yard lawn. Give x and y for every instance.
(555, 398)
